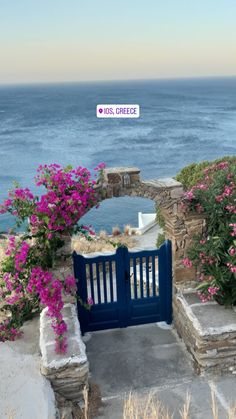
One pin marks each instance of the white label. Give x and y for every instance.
(118, 111)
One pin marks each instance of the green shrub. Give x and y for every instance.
(194, 172)
(160, 239)
(214, 252)
(159, 218)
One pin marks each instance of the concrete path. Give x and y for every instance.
(24, 392)
(148, 239)
(151, 358)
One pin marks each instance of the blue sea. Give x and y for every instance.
(182, 121)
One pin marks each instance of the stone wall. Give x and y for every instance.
(166, 193)
(68, 374)
(208, 330)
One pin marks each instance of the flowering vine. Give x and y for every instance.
(26, 279)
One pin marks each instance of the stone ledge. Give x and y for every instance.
(166, 183)
(123, 170)
(208, 330)
(68, 373)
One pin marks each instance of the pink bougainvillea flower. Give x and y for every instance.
(21, 256)
(90, 301)
(11, 246)
(70, 285)
(100, 166)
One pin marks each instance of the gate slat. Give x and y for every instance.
(98, 283)
(91, 281)
(141, 275)
(104, 281)
(135, 277)
(153, 276)
(111, 281)
(147, 276)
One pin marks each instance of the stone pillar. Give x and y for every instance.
(181, 228)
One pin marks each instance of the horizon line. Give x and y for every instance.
(2, 84)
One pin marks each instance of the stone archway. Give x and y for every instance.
(166, 193)
(121, 181)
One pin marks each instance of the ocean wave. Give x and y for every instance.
(12, 131)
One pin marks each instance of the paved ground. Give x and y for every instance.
(148, 239)
(151, 358)
(24, 392)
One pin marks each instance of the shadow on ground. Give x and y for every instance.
(151, 358)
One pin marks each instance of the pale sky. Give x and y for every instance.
(80, 40)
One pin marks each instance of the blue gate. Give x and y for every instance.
(127, 288)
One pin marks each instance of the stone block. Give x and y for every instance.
(68, 373)
(184, 274)
(116, 190)
(194, 231)
(176, 193)
(114, 178)
(134, 178)
(208, 330)
(66, 413)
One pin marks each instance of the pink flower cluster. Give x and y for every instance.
(18, 194)
(7, 332)
(8, 281)
(11, 288)
(100, 166)
(228, 191)
(215, 167)
(232, 251)
(204, 185)
(14, 298)
(21, 256)
(90, 301)
(205, 259)
(22, 194)
(70, 194)
(187, 263)
(50, 291)
(231, 267)
(5, 206)
(204, 297)
(231, 208)
(189, 195)
(213, 290)
(215, 195)
(70, 285)
(233, 226)
(199, 208)
(11, 246)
